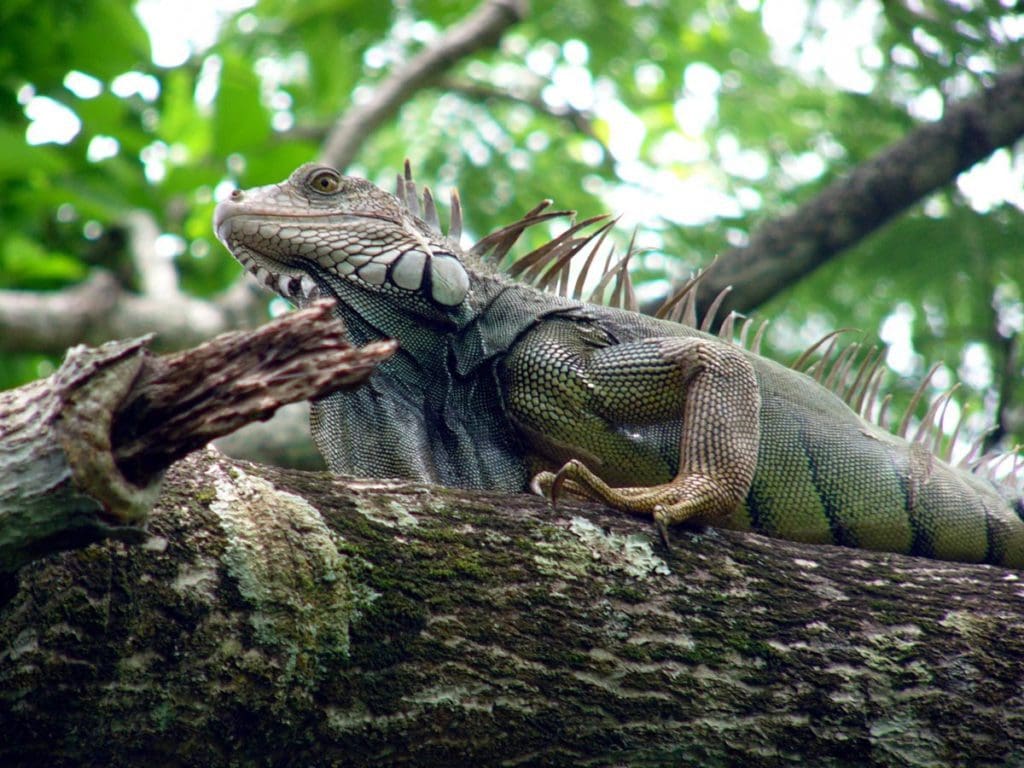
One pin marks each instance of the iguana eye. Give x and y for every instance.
(326, 181)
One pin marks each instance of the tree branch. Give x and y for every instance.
(578, 120)
(481, 29)
(180, 402)
(100, 309)
(929, 157)
(286, 618)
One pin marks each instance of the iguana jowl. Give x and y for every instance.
(496, 380)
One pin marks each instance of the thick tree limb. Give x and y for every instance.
(481, 29)
(284, 618)
(85, 449)
(931, 156)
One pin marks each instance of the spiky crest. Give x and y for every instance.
(854, 372)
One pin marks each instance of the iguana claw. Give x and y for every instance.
(577, 479)
(538, 483)
(560, 478)
(662, 526)
(551, 485)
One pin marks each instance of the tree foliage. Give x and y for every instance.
(697, 121)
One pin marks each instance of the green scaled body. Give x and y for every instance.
(823, 474)
(498, 382)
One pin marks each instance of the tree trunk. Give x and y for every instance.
(288, 618)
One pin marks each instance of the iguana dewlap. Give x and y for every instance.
(496, 379)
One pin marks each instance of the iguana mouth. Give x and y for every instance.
(285, 278)
(292, 283)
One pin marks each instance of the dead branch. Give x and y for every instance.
(85, 449)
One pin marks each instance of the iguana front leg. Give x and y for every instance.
(578, 401)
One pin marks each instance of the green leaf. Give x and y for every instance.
(26, 264)
(240, 122)
(18, 158)
(181, 122)
(108, 40)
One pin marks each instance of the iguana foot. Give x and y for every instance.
(687, 498)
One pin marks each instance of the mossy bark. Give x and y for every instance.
(287, 618)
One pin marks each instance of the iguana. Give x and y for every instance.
(501, 385)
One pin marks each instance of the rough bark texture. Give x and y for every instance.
(82, 452)
(182, 401)
(928, 158)
(282, 618)
(59, 482)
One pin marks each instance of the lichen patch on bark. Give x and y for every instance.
(285, 562)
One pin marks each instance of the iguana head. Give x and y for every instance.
(320, 232)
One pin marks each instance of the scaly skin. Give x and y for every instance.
(496, 378)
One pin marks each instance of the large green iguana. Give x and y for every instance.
(496, 379)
